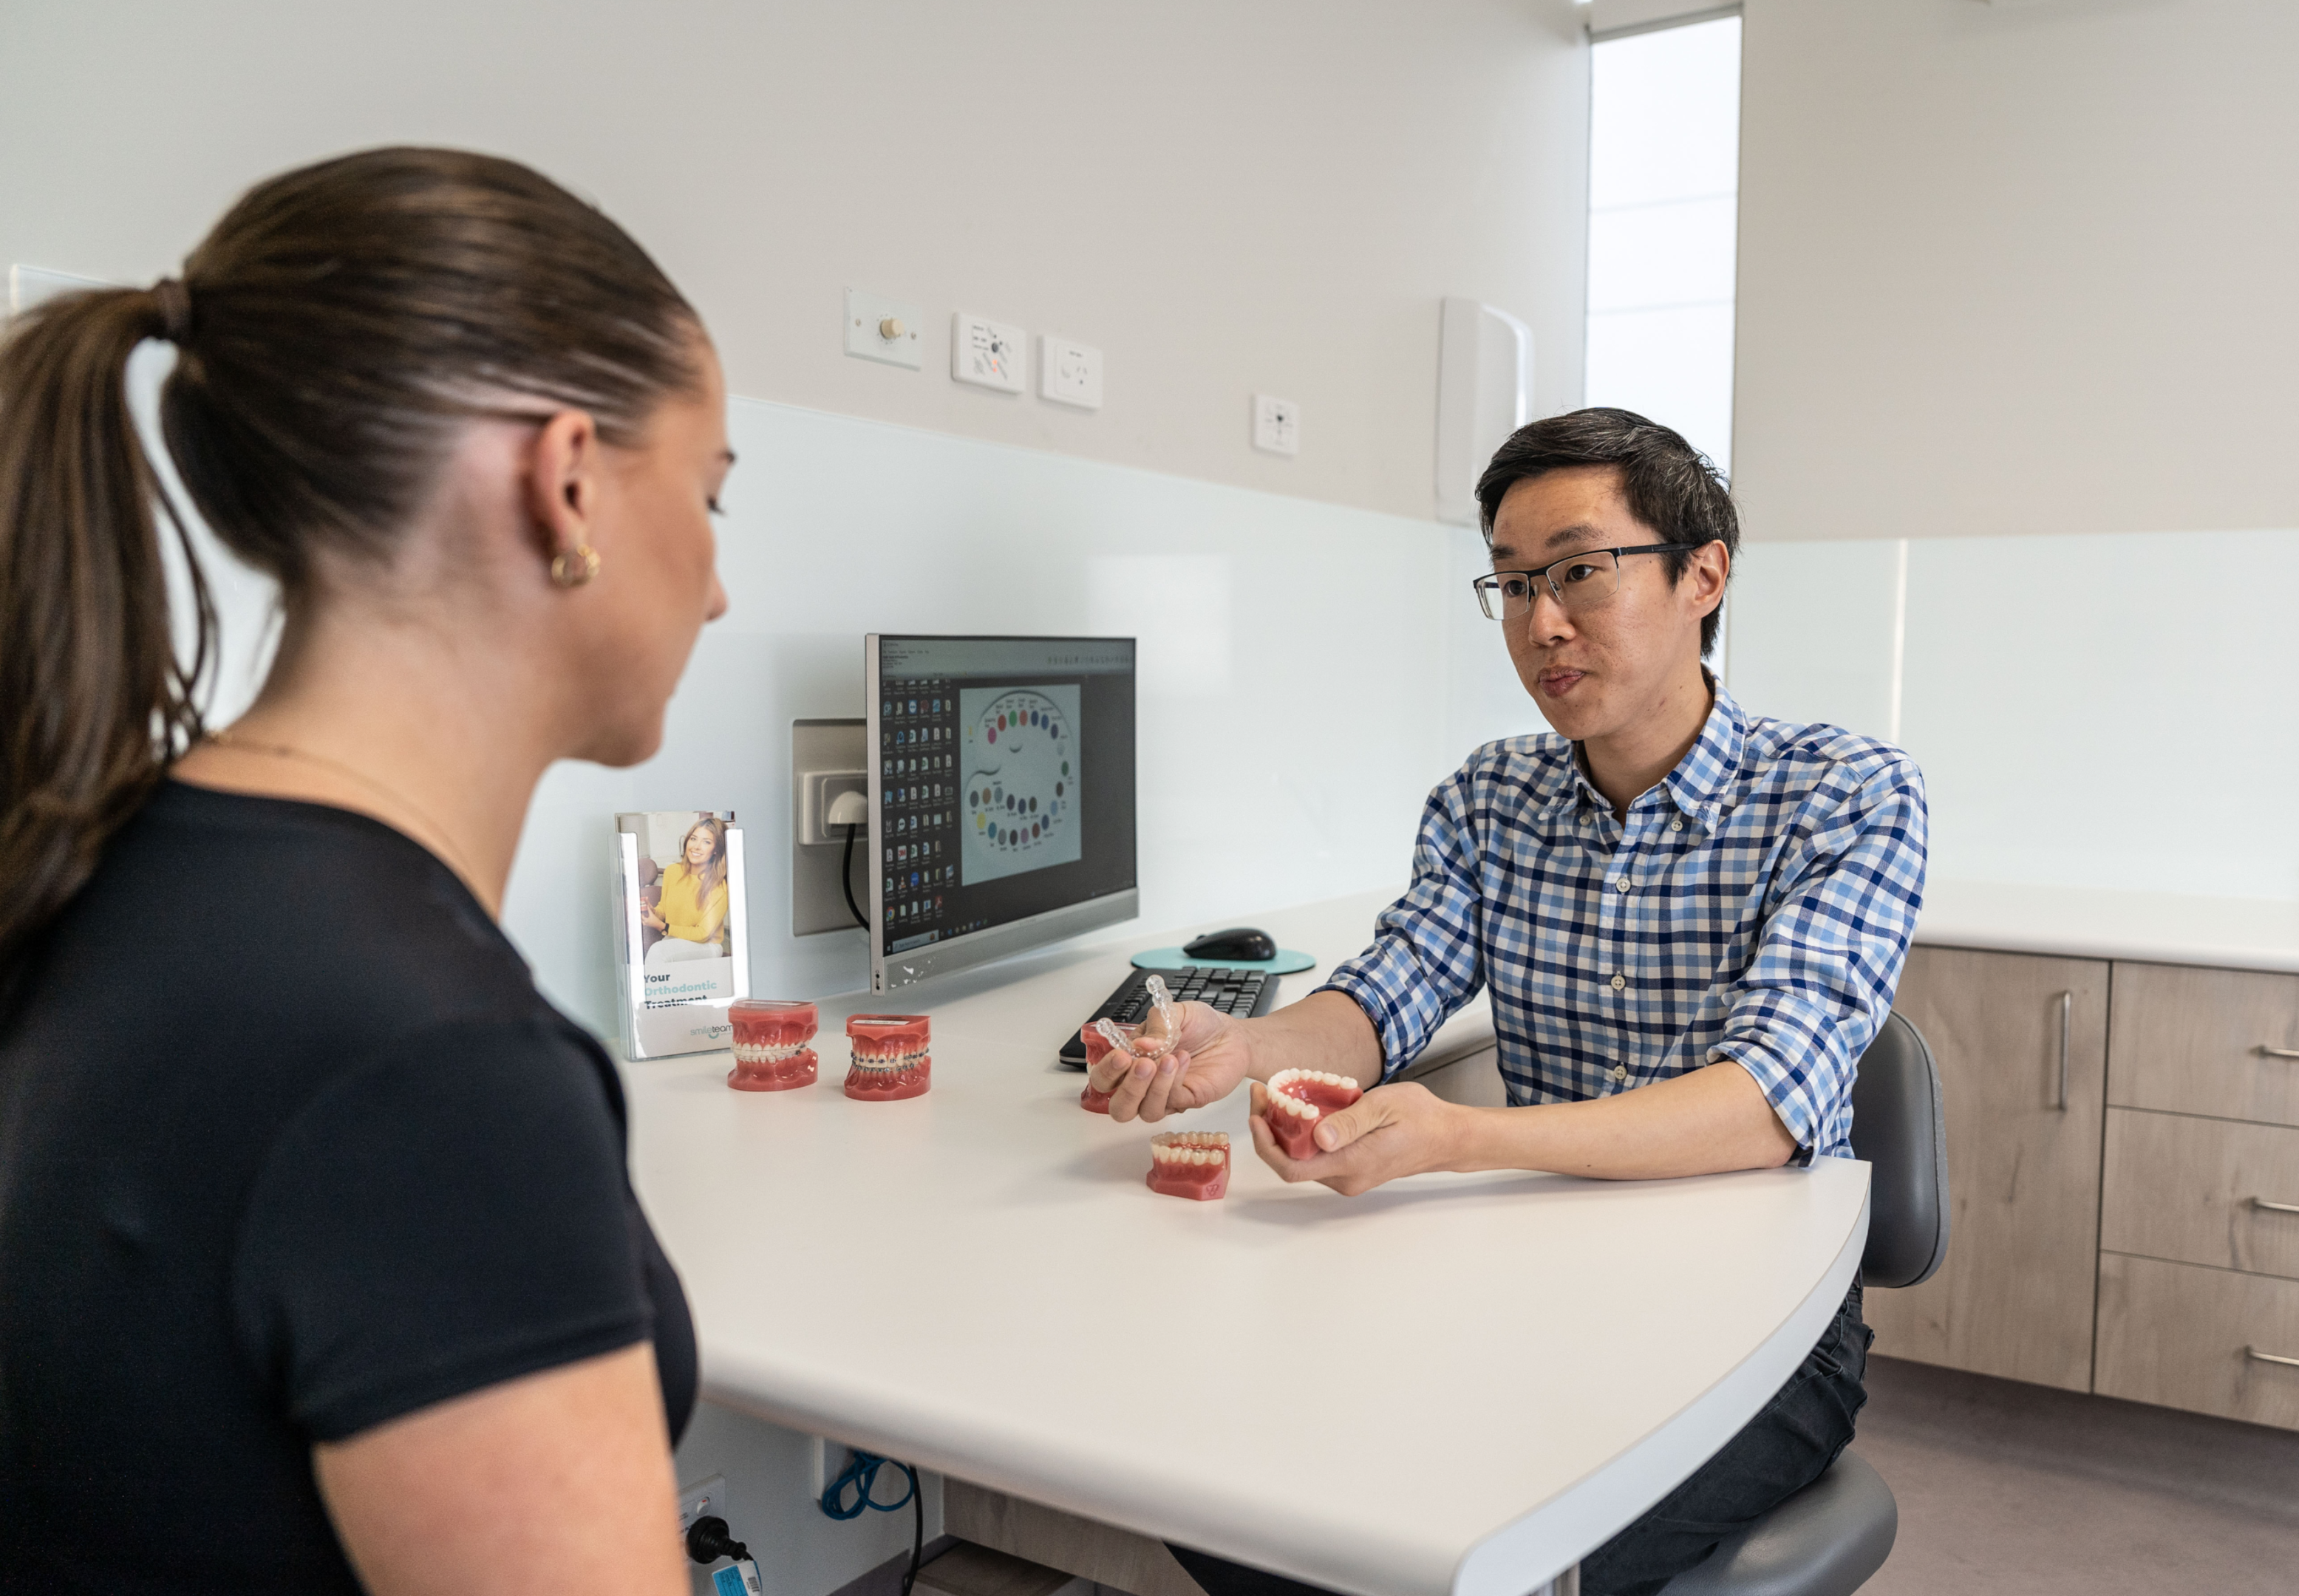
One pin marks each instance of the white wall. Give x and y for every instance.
(2109, 710)
(2015, 285)
(1224, 198)
(2018, 269)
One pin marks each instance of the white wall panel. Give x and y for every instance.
(2017, 269)
(2111, 710)
(1812, 632)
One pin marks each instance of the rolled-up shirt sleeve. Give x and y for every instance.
(1426, 959)
(1835, 937)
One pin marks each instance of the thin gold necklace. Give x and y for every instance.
(227, 738)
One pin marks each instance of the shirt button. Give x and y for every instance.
(1620, 1072)
(1622, 882)
(1620, 982)
(1677, 824)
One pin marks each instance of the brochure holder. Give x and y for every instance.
(672, 993)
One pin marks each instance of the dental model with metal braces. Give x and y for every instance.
(770, 1044)
(1296, 1099)
(891, 1058)
(1189, 1163)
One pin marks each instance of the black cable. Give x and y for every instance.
(846, 878)
(917, 1528)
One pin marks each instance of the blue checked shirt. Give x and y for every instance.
(1757, 906)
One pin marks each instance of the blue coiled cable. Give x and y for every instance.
(861, 1476)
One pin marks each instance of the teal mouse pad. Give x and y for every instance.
(1288, 962)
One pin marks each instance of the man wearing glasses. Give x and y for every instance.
(1691, 919)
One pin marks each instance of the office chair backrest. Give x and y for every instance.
(1899, 1127)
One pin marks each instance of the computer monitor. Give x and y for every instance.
(1002, 788)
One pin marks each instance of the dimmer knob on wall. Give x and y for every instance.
(878, 328)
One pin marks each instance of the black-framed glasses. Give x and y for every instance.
(1579, 582)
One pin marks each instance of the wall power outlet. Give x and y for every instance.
(819, 789)
(827, 761)
(702, 1501)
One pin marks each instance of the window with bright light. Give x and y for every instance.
(1663, 193)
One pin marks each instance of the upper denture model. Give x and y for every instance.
(1298, 1099)
(770, 1044)
(891, 1058)
(1189, 1163)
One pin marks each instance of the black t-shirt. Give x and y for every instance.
(290, 1146)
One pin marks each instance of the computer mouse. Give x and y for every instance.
(1238, 942)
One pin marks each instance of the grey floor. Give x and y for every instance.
(2012, 1488)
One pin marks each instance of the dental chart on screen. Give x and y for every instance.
(1022, 777)
(1002, 787)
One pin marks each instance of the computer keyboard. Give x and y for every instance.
(1245, 993)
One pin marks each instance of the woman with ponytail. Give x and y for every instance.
(320, 1270)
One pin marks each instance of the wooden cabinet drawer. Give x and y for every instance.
(2014, 1297)
(2184, 1190)
(2196, 1042)
(2176, 1335)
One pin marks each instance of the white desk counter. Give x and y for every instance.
(2231, 933)
(1455, 1383)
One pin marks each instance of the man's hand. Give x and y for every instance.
(1392, 1131)
(1212, 1054)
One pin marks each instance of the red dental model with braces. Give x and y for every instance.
(1298, 1099)
(770, 1045)
(1189, 1163)
(891, 1061)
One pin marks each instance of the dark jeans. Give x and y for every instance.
(1789, 1444)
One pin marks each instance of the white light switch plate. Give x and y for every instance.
(1069, 372)
(1276, 425)
(867, 316)
(989, 354)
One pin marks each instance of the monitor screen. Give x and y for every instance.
(1001, 780)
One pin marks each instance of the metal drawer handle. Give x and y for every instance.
(2267, 1052)
(2067, 1017)
(2256, 1356)
(2275, 1207)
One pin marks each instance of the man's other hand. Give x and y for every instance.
(1390, 1132)
(1212, 1054)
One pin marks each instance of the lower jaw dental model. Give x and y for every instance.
(1102, 1038)
(1152, 1040)
(1298, 1099)
(1189, 1163)
(891, 1060)
(770, 1045)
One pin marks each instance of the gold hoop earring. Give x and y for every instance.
(576, 568)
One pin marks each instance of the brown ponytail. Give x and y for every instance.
(335, 331)
(93, 697)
